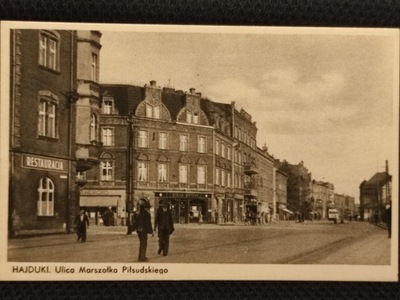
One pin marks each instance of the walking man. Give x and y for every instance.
(81, 222)
(143, 229)
(165, 226)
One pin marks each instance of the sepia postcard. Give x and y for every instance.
(152, 152)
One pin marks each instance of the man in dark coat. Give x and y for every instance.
(143, 229)
(81, 221)
(165, 226)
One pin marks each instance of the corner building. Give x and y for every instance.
(43, 188)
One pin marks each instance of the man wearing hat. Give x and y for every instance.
(165, 226)
(143, 228)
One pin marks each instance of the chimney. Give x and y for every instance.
(192, 90)
(387, 167)
(153, 83)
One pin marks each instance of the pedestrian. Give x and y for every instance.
(388, 216)
(165, 225)
(143, 229)
(132, 222)
(81, 223)
(200, 218)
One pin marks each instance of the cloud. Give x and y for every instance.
(286, 102)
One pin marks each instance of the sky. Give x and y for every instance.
(324, 99)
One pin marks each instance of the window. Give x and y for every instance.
(142, 171)
(162, 140)
(217, 147)
(107, 170)
(228, 153)
(201, 174)
(45, 204)
(188, 117)
(217, 176)
(202, 144)
(222, 149)
(94, 68)
(183, 142)
(107, 105)
(152, 111)
(93, 127)
(162, 173)
(228, 180)
(143, 142)
(47, 118)
(222, 178)
(48, 50)
(196, 118)
(183, 173)
(108, 136)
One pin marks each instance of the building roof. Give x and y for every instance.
(379, 178)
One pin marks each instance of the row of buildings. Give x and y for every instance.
(76, 143)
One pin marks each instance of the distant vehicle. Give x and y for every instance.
(333, 215)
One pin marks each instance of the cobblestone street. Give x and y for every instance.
(323, 242)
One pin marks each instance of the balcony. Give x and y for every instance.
(250, 169)
(250, 189)
(87, 156)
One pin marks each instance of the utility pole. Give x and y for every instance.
(129, 202)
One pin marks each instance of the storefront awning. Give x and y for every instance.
(102, 201)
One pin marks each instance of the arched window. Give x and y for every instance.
(45, 203)
(93, 127)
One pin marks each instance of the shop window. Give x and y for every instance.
(45, 204)
(48, 49)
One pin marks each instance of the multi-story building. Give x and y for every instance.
(375, 194)
(48, 73)
(157, 145)
(298, 186)
(280, 195)
(166, 145)
(322, 196)
(245, 162)
(265, 182)
(346, 205)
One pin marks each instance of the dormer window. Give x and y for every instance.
(152, 111)
(188, 117)
(108, 105)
